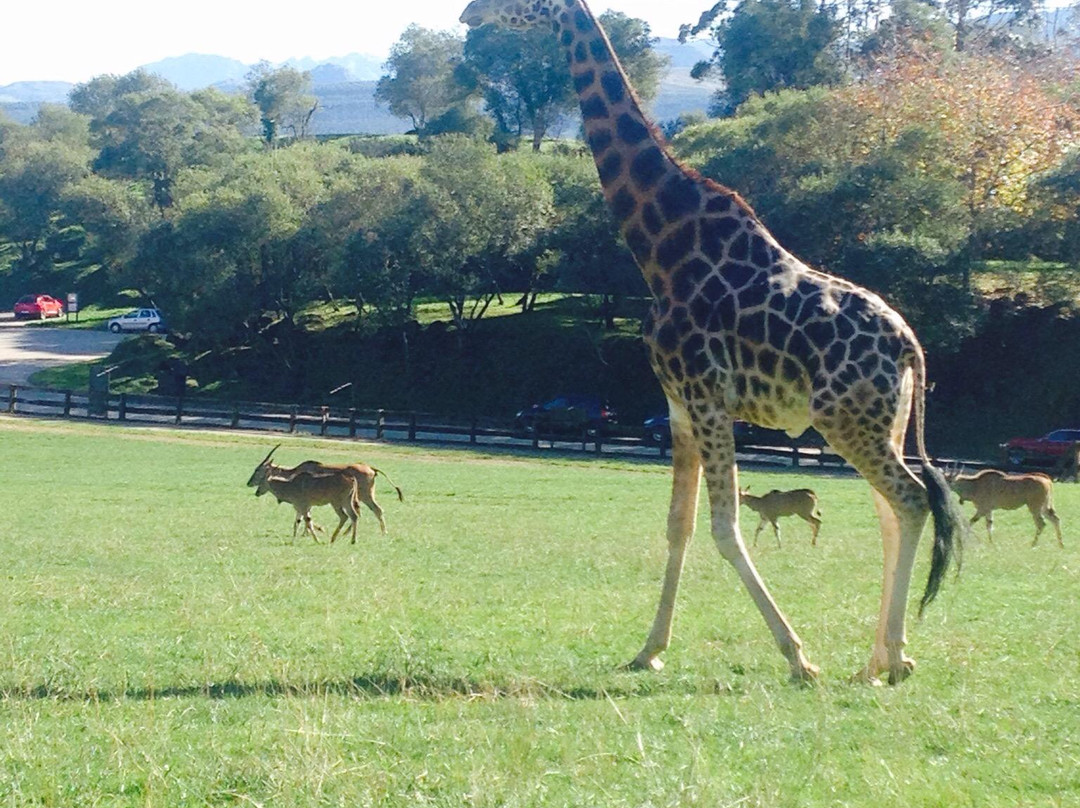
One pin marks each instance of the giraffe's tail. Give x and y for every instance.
(944, 509)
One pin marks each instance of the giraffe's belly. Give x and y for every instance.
(750, 384)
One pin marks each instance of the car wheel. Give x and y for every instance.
(115, 328)
(1015, 458)
(152, 328)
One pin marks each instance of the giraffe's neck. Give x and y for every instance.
(636, 172)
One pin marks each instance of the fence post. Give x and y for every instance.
(664, 444)
(352, 422)
(380, 422)
(325, 411)
(599, 441)
(472, 430)
(236, 416)
(292, 419)
(13, 394)
(121, 409)
(179, 408)
(67, 403)
(794, 456)
(412, 426)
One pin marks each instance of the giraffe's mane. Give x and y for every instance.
(658, 136)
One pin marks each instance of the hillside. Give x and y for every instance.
(345, 88)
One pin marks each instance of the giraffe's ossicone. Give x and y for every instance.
(740, 328)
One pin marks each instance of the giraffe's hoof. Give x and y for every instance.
(807, 674)
(644, 662)
(900, 672)
(867, 676)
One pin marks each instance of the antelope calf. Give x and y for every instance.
(363, 474)
(303, 491)
(801, 502)
(992, 490)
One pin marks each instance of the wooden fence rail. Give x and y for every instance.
(348, 422)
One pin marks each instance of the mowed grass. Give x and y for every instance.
(164, 642)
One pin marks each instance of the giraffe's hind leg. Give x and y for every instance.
(686, 483)
(901, 503)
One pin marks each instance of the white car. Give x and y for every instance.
(138, 320)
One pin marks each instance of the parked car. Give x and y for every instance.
(138, 320)
(567, 414)
(1043, 452)
(38, 307)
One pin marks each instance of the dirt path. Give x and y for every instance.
(27, 347)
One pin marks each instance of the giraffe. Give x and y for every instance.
(740, 328)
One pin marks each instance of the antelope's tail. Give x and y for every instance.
(400, 496)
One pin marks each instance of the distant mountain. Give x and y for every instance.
(359, 66)
(194, 71)
(20, 101)
(345, 87)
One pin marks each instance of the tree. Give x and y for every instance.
(284, 100)
(766, 45)
(420, 84)
(478, 217)
(37, 166)
(523, 77)
(147, 130)
(585, 252)
(525, 80)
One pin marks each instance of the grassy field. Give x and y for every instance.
(164, 642)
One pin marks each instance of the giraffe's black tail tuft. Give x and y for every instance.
(948, 531)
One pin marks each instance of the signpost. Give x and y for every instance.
(73, 306)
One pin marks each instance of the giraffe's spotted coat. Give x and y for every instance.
(739, 328)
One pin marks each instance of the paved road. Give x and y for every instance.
(27, 347)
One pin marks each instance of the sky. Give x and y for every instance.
(74, 40)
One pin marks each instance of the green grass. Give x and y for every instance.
(166, 643)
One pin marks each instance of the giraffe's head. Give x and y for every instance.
(513, 13)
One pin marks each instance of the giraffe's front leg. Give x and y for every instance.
(686, 483)
(722, 479)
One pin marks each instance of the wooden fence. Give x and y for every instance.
(348, 422)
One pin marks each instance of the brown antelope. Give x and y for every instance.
(801, 502)
(992, 490)
(363, 474)
(303, 491)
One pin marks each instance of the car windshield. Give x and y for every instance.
(28, 299)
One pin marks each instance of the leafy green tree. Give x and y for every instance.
(39, 163)
(586, 254)
(147, 130)
(479, 218)
(98, 97)
(284, 100)
(523, 77)
(114, 215)
(766, 45)
(374, 217)
(525, 80)
(421, 84)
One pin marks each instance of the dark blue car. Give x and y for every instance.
(569, 414)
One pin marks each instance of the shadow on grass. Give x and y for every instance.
(379, 686)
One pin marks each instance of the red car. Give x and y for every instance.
(1039, 452)
(38, 307)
